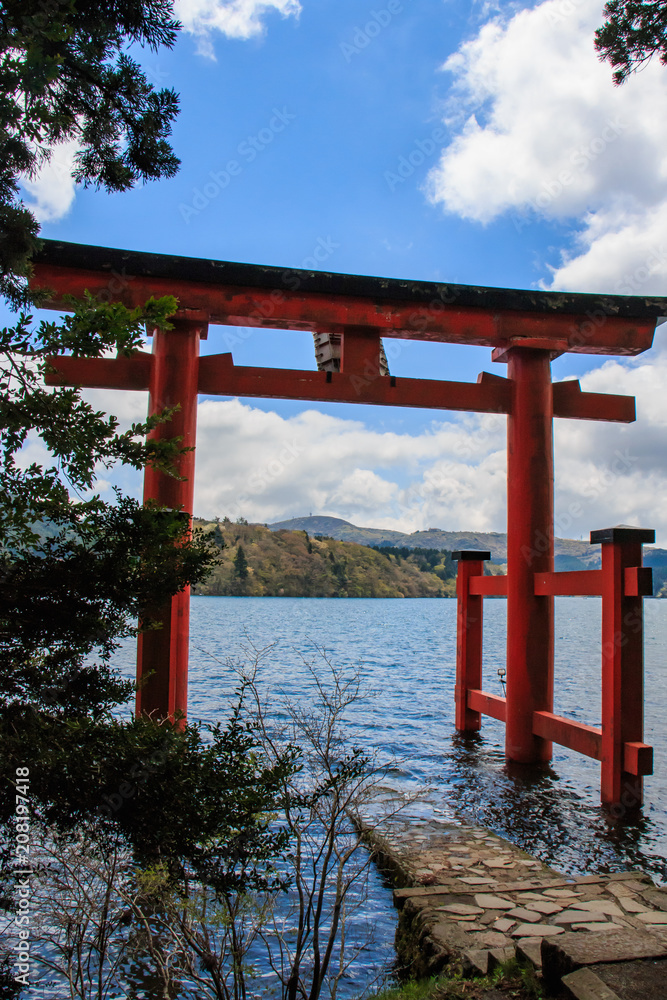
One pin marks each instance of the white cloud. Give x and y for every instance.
(234, 18)
(542, 132)
(363, 489)
(53, 189)
(266, 467)
(450, 475)
(624, 253)
(277, 467)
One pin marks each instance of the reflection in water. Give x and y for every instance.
(535, 809)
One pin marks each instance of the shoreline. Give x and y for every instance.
(470, 899)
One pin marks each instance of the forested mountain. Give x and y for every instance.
(435, 538)
(258, 562)
(571, 553)
(273, 561)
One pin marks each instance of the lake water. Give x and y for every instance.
(405, 651)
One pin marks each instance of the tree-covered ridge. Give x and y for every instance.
(293, 564)
(438, 561)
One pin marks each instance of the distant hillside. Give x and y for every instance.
(335, 527)
(434, 538)
(258, 562)
(571, 554)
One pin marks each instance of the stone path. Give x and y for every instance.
(470, 895)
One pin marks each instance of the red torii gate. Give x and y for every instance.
(525, 329)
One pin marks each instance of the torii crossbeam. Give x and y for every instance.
(525, 329)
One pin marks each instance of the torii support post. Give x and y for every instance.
(624, 582)
(162, 654)
(469, 634)
(530, 549)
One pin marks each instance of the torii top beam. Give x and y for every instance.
(221, 292)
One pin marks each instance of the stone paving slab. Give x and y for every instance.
(528, 951)
(584, 984)
(516, 905)
(574, 950)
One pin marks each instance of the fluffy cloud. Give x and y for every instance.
(621, 252)
(233, 18)
(266, 467)
(277, 467)
(51, 192)
(542, 132)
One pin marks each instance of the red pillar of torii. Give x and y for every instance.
(525, 329)
(173, 381)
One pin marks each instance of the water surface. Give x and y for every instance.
(405, 651)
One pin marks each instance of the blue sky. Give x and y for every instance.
(333, 130)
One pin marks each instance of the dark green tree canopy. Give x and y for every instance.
(76, 570)
(634, 31)
(66, 74)
(241, 564)
(218, 536)
(193, 797)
